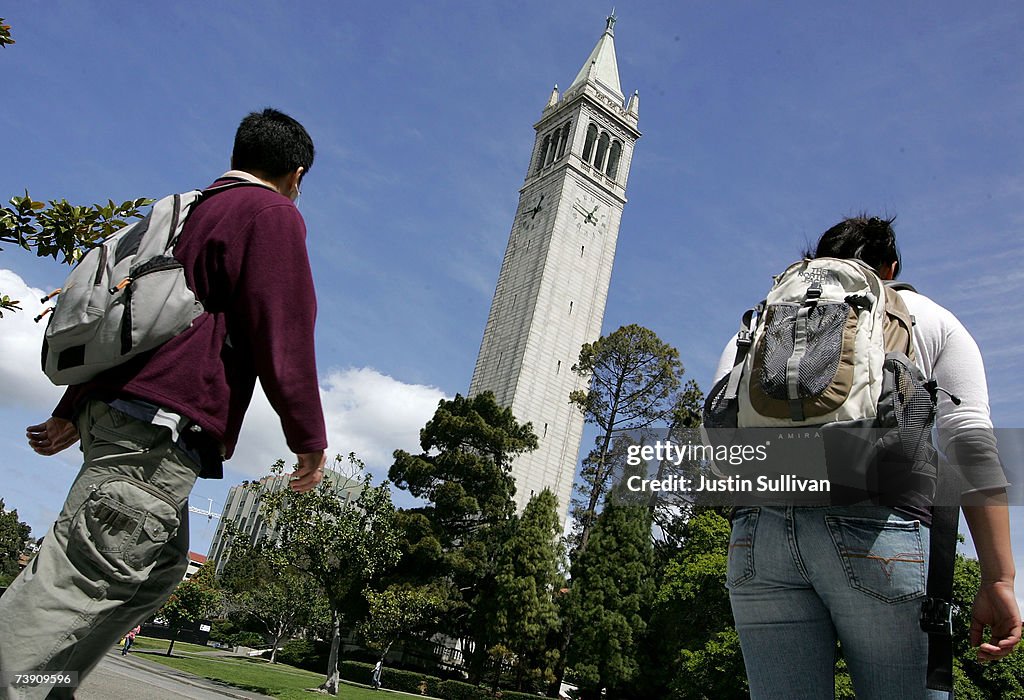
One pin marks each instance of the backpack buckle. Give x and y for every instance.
(814, 291)
(936, 616)
(743, 339)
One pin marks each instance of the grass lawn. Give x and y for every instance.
(279, 680)
(153, 644)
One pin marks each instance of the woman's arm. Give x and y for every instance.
(995, 605)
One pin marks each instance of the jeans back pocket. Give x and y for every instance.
(884, 559)
(741, 547)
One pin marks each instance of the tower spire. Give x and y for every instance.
(601, 66)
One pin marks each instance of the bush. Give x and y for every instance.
(457, 690)
(392, 678)
(222, 631)
(303, 653)
(516, 695)
(355, 671)
(409, 682)
(247, 639)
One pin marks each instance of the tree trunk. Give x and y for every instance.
(331, 682)
(174, 635)
(273, 651)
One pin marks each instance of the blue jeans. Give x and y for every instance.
(800, 578)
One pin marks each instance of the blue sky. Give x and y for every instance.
(763, 125)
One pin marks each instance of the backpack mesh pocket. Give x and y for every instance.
(822, 332)
(719, 410)
(912, 412)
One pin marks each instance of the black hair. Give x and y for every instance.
(272, 143)
(871, 240)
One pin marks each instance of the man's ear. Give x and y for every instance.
(292, 182)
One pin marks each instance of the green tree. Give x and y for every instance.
(342, 545)
(701, 658)
(633, 377)
(193, 600)
(394, 612)
(14, 535)
(464, 475)
(259, 582)
(609, 602)
(523, 614)
(671, 510)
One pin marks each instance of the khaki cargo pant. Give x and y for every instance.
(116, 552)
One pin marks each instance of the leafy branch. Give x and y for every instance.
(5, 34)
(60, 230)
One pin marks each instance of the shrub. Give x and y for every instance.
(409, 682)
(517, 695)
(457, 690)
(355, 671)
(248, 639)
(303, 653)
(222, 631)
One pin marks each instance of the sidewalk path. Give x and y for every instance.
(133, 677)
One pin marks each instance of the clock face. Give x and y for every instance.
(589, 213)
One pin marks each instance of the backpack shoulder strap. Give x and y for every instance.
(898, 286)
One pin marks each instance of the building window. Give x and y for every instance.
(602, 151)
(563, 139)
(543, 153)
(613, 159)
(588, 146)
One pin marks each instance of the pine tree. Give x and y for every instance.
(464, 474)
(523, 615)
(609, 601)
(633, 377)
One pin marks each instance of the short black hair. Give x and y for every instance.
(271, 143)
(869, 239)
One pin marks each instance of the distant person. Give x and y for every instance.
(377, 670)
(812, 575)
(129, 639)
(150, 427)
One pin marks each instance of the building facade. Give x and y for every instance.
(554, 277)
(242, 509)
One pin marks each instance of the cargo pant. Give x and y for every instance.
(115, 553)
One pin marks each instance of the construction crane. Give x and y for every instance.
(210, 515)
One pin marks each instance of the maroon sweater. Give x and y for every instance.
(244, 253)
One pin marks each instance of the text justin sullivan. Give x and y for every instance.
(786, 483)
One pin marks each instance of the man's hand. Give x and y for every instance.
(51, 437)
(309, 472)
(995, 606)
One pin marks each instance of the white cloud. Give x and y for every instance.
(366, 412)
(22, 383)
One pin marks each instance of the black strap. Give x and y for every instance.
(936, 610)
(897, 286)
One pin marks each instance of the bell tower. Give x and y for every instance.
(554, 278)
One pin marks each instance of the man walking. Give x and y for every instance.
(150, 427)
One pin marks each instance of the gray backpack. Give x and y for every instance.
(126, 296)
(827, 374)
